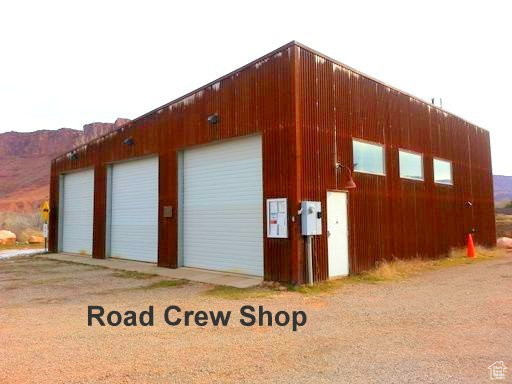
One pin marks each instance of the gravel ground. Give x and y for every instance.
(19, 252)
(445, 326)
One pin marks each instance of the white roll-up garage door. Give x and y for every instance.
(134, 210)
(222, 207)
(77, 211)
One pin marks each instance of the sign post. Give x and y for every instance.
(45, 215)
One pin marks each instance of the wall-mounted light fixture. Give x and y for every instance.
(213, 119)
(350, 184)
(128, 141)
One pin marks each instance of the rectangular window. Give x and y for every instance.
(443, 172)
(368, 158)
(411, 165)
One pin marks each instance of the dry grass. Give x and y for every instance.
(458, 256)
(232, 293)
(401, 269)
(23, 225)
(319, 288)
(66, 262)
(166, 284)
(21, 246)
(503, 225)
(502, 203)
(133, 275)
(397, 270)
(49, 281)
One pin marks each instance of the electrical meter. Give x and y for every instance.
(311, 218)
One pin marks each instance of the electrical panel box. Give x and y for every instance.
(277, 218)
(311, 218)
(168, 211)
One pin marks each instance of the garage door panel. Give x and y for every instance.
(223, 210)
(77, 212)
(134, 210)
(210, 171)
(239, 228)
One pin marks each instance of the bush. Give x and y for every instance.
(23, 225)
(503, 225)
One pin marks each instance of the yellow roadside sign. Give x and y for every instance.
(45, 211)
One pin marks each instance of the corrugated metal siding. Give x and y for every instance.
(307, 108)
(255, 99)
(391, 217)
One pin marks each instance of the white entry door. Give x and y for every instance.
(223, 206)
(337, 233)
(134, 211)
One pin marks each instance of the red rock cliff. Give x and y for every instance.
(25, 162)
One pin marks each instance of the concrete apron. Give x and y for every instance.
(192, 274)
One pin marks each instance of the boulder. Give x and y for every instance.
(7, 238)
(36, 240)
(504, 242)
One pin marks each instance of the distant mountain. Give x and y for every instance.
(25, 159)
(502, 188)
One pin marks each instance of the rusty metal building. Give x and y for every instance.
(170, 184)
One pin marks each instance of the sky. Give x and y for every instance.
(69, 63)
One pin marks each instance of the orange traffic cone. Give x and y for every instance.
(471, 247)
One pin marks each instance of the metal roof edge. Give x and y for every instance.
(240, 69)
(253, 62)
(315, 52)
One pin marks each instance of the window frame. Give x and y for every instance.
(422, 165)
(434, 158)
(382, 146)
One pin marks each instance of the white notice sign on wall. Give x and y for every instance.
(277, 218)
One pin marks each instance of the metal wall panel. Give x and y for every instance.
(307, 107)
(255, 99)
(391, 217)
